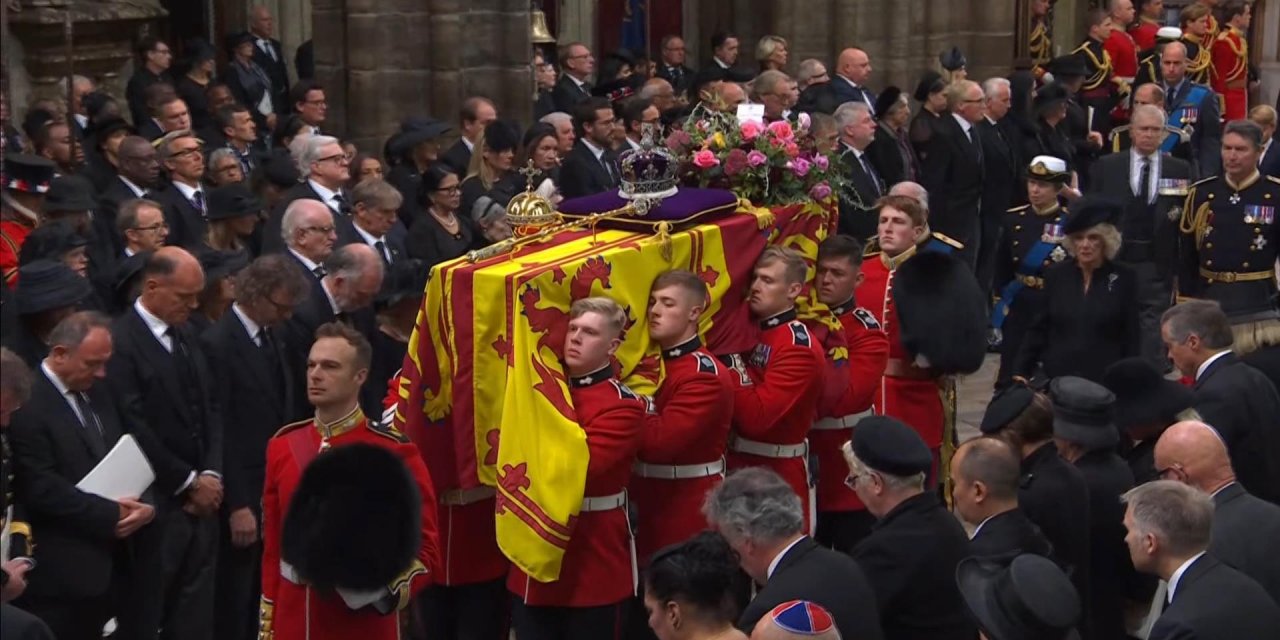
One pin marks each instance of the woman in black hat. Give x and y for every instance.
(890, 152)
(441, 232)
(414, 148)
(1146, 404)
(928, 127)
(219, 286)
(1048, 135)
(57, 241)
(192, 85)
(233, 213)
(1088, 316)
(493, 164)
(249, 83)
(102, 142)
(47, 292)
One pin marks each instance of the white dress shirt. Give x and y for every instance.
(471, 146)
(306, 262)
(965, 126)
(1205, 365)
(773, 566)
(159, 328)
(189, 192)
(137, 191)
(1135, 173)
(1177, 575)
(326, 195)
(250, 327)
(333, 302)
(370, 240)
(64, 391)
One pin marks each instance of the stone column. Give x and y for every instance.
(384, 60)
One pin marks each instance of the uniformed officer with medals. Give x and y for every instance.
(1149, 59)
(1229, 233)
(1177, 141)
(1032, 241)
(1039, 40)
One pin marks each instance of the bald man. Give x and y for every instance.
(162, 380)
(1245, 528)
(798, 619)
(853, 70)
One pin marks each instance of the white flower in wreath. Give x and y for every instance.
(1058, 255)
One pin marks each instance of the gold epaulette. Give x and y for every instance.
(386, 430)
(871, 248)
(1273, 179)
(1204, 180)
(1016, 209)
(951, 241)
(291, 426)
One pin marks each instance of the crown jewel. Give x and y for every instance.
(650, 171)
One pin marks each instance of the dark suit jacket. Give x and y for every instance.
(1055, 498)
(1111, 571)
(150, 130)
(858, 217)
(297, 335)
(679, 77)
(144, 378)
(1245, 530)
(136, 92)
(52, 452)
(271, 240)
(566, 94)
(186, 223)
(109, 202)
(1267, 360)
(1215, 602)
(248, 89)
(887, 158)
(1112, 177)
(1244, 407)
(395, 238)
(459, 157)
(278, 71)
(1206, 134)
(583, 175)
(952, 173)
(815, 573)
(1002, 164)
(910, 558)
(1270, 163)
(304, 60)
(1008, 535)
(845, 92)
(257, 399)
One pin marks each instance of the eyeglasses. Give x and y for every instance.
(454, 189)
(340, 158)
(325, 230)
(316, 103)
(187, 153)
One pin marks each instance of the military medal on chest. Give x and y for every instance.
(1259, 214)
(1234, 199)
(1052, 233)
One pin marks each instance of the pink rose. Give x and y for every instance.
(820, 161)
(678, 140)
(735, 162)
(820, 191)
(781, 130)
(757, 158)
(750, 130)
(705, 159)
(791, 149)
(799, 166)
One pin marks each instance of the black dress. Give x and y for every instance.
(430, 242)
(1079, 333)
(192, 93)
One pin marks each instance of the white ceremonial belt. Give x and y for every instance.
(678, 471)
(847, 422)
(289, 573)
(769, 449)
(604, 503)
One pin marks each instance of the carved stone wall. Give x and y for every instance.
(387, 59)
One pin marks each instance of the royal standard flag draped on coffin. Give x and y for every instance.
(484, 361)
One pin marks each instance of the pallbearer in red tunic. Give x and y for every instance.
(779, 384)
(942, 334)
(1150, 19)
(1230, 54)
(599, 571)
(294, 606)
(851, 383)
(682, 454)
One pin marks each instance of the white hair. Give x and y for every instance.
(294, 215)
(808, 69)
(847, 113)
(991, 86)
(911, 190)
(754, 504)
(77, 81)
(557, 118)
(306, 150)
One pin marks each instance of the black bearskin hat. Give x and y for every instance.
(941, 309)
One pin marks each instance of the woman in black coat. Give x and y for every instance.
(250, 84)
(1088, 317)
(1047, 135)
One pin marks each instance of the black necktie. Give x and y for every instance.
(197, 201)
(608, 166)
(343, 207)
(1144, 181)
(342, 317)
(1168, 99)
(319, 271)
(871, 173)
(381, 247)
(92, 426)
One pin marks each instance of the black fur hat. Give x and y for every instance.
(354, 521)
(942, 312)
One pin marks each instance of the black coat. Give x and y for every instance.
(567, 94)
(1215, 602)
(858, 217)
(256, 392)
(1111, 176)
(1002, 165)
(1270, 163)
(53, 450)
(1075, 333)
(407, 180)
(278, 71)
(1111, 572)
(910, 558)
(1242, 404)
(888, 157)
(458, 157)
(186, 223)
(136, 92)
(249, 88)
(395, 238)
(1008, 535)
(679, 77)
(1040, 139)
(271, 240)
(1055, 497)
(109, 200)
(952, 172)
(812, 572)
(1245, 530)
(1266, 360)
(582, 174)
(180, 433)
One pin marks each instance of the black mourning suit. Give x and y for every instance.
(1055, 497)
(186, 221)
(1242, 404)
(1245, 530)
(277, 70)
(1215, 602)
(952, 172)
(1008, 535)
(256, 389)
(83, 575)
(858, 218)
(566, 94)
(808, 571)
(171, 397)
(298, 334)
(582, 174)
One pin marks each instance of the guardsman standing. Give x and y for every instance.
(1039, 41)
(1123, 51)
(780, 383)
(681, 456)
(856, 357)
(26, 180)
(910, 298)
(1032, 241)
(293, 606)
(1230, 234)
(1102, 88)
(1230, 54)
(1149, 23)
(599, 573)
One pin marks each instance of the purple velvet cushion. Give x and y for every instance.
(687, 206)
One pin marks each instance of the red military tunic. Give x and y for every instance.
(681, 455)
(1124, 66)
(12, 235)
(469, 551)
(775, 404)
(599, 567)
(1230, 76)
(1144, 33)
(848, 400)
(906, 392)
(292, 611)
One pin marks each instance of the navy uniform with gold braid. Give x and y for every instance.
(1040, 46)
(1032, 242)
(1229, 241)
(1177, 141)
(11, 518)
(1101, 89)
